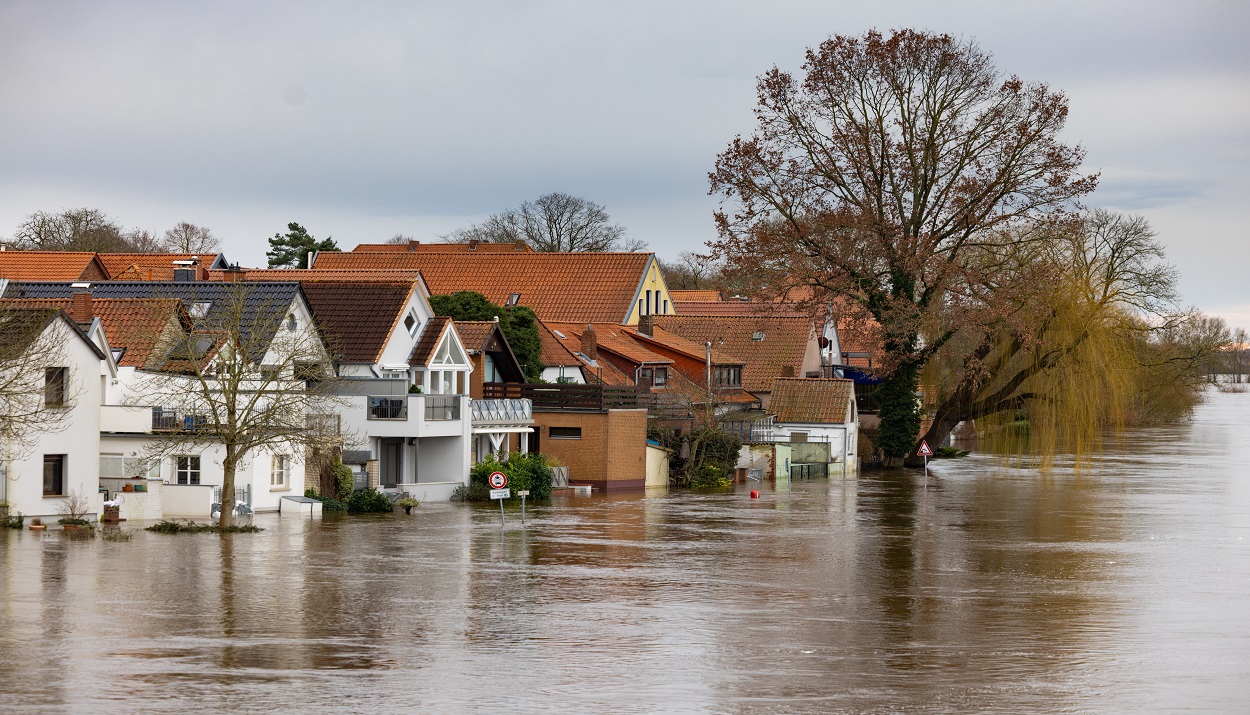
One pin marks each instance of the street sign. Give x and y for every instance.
(523, 493)
(501, 494)
(498, 480)
(924, 450)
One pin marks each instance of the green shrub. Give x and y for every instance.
(72, 521)
(949, 452)
(333, 505)
(526, 472)
(369, 501)
(166, 526)
(344, 481)
(471, 492)
(710, 476)
(14, 521)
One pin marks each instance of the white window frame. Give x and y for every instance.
(280, 472)
(189, 473)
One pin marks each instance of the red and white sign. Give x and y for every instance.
(924, 450)
(499, 480)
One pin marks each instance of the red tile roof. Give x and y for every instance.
(689, 348)
(357, 318)
(51, 266)
(558, 351)
(152, 266)
(562, 287)
(614, 338)
(304, 275)
(438, 247)
(811, 400)
(130, 323)
(424, 350)
(694, 296)
(782, 344)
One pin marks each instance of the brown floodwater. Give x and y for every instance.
(981, 588)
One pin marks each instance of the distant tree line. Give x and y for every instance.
(88, 229)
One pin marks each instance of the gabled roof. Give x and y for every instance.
(264, 304)
(155, 266)
(485, 336)
(50, 266)
(357, 318)
(811, 400)
(130, 324)
(596, 287)
(423, 352)
(21, 328)
(439, 247)
(781, 345)
(475, 333)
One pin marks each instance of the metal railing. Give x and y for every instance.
(442, 407)
(388, 408)
(595, 397)
(501, 410)
(169, 420)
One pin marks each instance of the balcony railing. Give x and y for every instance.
(442, 407)
(388, 408)
(167, 420)
(501, 410)
(564, 397)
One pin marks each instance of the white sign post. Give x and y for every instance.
(499, 480)
(523, 493)
(925, 452)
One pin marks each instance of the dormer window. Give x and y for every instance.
(411, 323)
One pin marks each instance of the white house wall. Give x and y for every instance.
(77, 436)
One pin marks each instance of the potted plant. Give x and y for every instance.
(407, 503)
(37, 524)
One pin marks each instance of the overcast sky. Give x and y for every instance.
(366, 119)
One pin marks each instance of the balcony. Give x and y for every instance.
(442, 407)
(168, 420)
(577, 398)
(388, 407)
(497, 411)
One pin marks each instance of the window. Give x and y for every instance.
(411, 323)
(187, 469)
(54, 387)
(798, 436)
(116, 466)
(566, 432)
(727, 376)
(661, 376)
(310, 371)
(666, 306)
(280, 472)
(291, 323)
(53, 475)
(648, 302)
(270, 373)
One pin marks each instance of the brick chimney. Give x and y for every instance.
(473, 244)
(80, 309)
(646, 325)
(520, 245)
(412, 246)
(590, 343)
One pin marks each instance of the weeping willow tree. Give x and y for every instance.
(1088, 340)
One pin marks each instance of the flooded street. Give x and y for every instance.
(1125, 588)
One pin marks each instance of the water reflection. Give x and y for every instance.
(979, 588)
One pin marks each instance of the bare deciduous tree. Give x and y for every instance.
(32, 342)
(249, 378)
(875, 175)
(189, 238)
(551, 223)
(81, 229)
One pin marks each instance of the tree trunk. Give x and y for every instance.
(936, 435)
(228, 467)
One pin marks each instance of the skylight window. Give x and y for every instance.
(559, 334)
(758, 336)
(199, 310)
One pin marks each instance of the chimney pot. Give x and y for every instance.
(80, 310)
(590, 343)
(412, 245)
(646, 325)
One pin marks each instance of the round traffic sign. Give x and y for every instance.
(498, 480)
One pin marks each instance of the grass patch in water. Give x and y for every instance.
(191, 527)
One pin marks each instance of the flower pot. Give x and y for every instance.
(128, 488)
(37, 527)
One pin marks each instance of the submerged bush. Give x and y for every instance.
(526, 472)
(370, 501)
(166, 526)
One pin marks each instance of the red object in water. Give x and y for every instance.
(755, 494)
